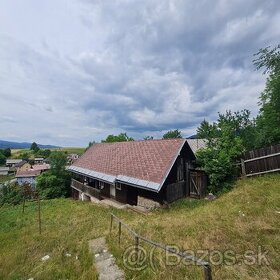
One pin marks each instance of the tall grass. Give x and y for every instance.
(245, 218)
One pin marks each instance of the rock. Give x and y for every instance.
(45, 258)
(210, 197)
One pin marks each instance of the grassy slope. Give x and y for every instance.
(4, 178)
(70, 150)
(68, 225)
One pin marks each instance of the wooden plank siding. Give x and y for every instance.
(261, 161)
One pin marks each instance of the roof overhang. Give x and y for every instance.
(93, 174)
(111, 179)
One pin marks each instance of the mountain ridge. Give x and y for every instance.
(22, 145)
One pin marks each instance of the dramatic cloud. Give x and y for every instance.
(74, 71)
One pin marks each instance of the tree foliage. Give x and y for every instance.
(34, 147)
(11, 194)
(172, 134)
(2, 158)
(268, 121)
(56, 182)
(122, 137)
(53, 186)
(7, 152)
(90, 144)
(58, 161)
(226, 139)
(45, 153)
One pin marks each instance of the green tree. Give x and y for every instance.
(122, 137)
(7, 152)
(227, 139)
(268, 119)
(56, 182)
(58, 161)
(172, 134)
(53, 186)
(25, 156)
(44, 153)
(90, 144)
(2, 158)
(34, 147)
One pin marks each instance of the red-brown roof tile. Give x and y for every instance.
(28, 173)
(146, 160)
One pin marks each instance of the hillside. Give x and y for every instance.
(243, 219)
(22, 145)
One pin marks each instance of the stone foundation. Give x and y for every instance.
(147, 203)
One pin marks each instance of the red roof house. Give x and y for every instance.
(156, 169)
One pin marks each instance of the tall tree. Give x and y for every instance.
(58, 161)
(56, 182)
(269, 118)
(172, 134)
(2, 158)
(34, 147)
(7, 152)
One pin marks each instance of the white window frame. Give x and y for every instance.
(118, 186)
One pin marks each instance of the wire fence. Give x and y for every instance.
(137, 238)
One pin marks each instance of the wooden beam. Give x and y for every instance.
(263, 172)
(257, 158)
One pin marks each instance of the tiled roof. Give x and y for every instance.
(28, 173)
(43, 166)
(140, 163)
(196, 144)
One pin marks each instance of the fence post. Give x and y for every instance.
(243, 170)
(207, 272)
(39, 214)
(111, 223)
(23, 204)
(120, 230)
(136, 246)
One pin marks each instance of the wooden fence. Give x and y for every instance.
(261, 161)
(206, 266)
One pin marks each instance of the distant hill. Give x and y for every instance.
(22, 145)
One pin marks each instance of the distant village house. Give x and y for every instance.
(27, 174)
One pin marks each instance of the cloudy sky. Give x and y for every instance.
(72, 71)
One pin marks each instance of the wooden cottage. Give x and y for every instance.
(159, 170)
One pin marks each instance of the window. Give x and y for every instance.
(118, 186)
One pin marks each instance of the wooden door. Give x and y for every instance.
(112, 191)
(198, 184)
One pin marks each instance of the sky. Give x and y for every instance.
(73, 71)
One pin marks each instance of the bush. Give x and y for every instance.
(52, 186)
(227, 140)
(11, 194)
